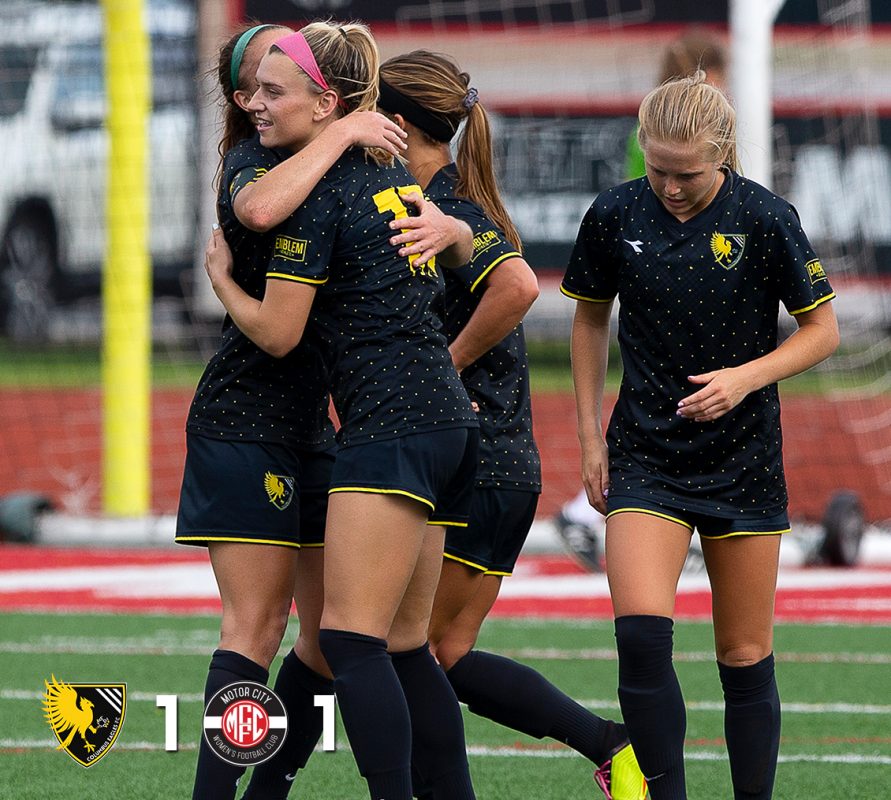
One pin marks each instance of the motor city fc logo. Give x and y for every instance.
(245, 723)
(85, 717)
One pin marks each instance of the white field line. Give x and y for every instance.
(494, 752)
(48, 645)
(791, 708)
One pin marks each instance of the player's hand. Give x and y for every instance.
(218, 260)
(371, 129)
(595, 474)
(428, 233)
(723, 390)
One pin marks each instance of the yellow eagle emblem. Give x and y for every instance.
(65, 711)
(728, 248)
(280, 489)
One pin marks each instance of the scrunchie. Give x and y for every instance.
(470, 99)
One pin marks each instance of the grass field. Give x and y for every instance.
(834, 681)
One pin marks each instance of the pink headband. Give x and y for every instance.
(295, 47)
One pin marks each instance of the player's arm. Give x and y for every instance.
(508, 292)
(271, 199)
(590, 352)
(432, 233)
(275, 323)
(814, 341)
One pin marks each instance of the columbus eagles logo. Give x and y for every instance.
(280, 489)
(728, 248)
(85, 717)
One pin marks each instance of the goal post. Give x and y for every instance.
(751, 34)
(126, 280)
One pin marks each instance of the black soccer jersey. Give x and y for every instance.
(391, 373)
(498, 381)
(245, 393)
(694, 297)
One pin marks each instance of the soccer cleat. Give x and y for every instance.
(620, 778)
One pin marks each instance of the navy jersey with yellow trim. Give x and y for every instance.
(391, 373)
(245, 393)
(498, 381)
(694, 297)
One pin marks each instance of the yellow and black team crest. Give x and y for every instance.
(728, 248)
(85, 717)
(280, 489)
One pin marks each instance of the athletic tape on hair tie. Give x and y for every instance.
(238, 52)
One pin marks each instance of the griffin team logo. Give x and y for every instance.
(245, 723)
(85, 717)
(728, 248)
(280, 489)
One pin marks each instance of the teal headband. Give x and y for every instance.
(238, 52)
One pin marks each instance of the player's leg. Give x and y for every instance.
(373, 542)
(439, 753)
(743, 575)
(255, 584)
(645, 554)
(303, 674)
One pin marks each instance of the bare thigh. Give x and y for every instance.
(644, 558)
(372, 545)
(458, 584)
(743, 574)
(256, 582)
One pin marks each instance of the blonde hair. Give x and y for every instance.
(690, 111)
(435, 82)
(349, 60)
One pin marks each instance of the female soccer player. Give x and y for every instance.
(259, 440)
(700, 259)
(408, 432)
(485, 302)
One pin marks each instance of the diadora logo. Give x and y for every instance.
(280, 489)
(289, 248)
(85, 717)
(815, 271)
(635, 245)
(728, 248)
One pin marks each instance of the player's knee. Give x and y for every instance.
(309, 652)
(451, 650)
(257, 633)
(742, 654)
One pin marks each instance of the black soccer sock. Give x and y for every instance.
(297, 686)
(439, 754)
(651, 702)
(375, 714)
(518, 697)
(751, 727)
(216, 779)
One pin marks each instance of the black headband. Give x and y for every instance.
(435, 125)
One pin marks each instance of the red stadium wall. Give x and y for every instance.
(51, 444)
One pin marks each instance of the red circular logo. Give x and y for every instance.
(245, 723)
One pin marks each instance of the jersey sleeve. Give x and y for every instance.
(590, 275)
(490, 245)
(803, 284)
(303, 243)
(244, 164)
